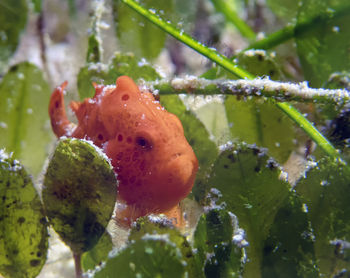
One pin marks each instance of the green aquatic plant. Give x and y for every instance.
(271, 194)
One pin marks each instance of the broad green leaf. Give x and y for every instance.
(285, 9)
(259, 63)
(13, 19)
(198, 137)
(121, 64)
(162, 226)
(213, 240)
(149, 257)
(79, 194)
(260, 122)
(138, 35)
(289, 248)
(323, 45)
(250, 186)
(25, 127)
(23, 227)
(326, 193)
(98, 254)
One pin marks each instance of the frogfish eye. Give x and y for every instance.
(143, 143)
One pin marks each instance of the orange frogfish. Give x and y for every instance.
(155, 165)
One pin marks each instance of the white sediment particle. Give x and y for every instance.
(3, 125)
(4, 155)
(226, 146)
(253, 52)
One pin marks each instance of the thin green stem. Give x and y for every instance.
(226, 63)
(309, 128)
(231, 16)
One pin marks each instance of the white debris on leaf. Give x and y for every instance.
(239, 236)
(253, 52)
(224, 147)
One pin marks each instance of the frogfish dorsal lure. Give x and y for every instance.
(156, 166)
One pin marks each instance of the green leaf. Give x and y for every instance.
(262, 123)
(121, 64)
(25, 128)
(13, 19)
(216, 252)
(98, 254)
(324, 47)
(138, 35)
(162, 226)
(198, 137)
(152, 256)
(326, 192)
(250, 186)
(285, 9)
(79, 193)
(289, 248)
(23, 227)
(259, 63)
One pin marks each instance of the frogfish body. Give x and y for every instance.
(155, 165)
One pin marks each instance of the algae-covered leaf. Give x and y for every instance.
(79, 193)
(323, 44)
(121, 64)
(198, 137)
(24, 119)
(98, 254)
(250, 186)
(13, 19)
(23, 227)
(152, 256)
(161, 226)
(213, 239)
(288, 250)
(137, 34)
(326, 193)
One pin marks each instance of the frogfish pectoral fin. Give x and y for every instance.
(61, 126)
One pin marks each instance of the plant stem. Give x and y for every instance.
(309, 128)
(77, 263)
(226, 63)
(231, 16)
(279, 91)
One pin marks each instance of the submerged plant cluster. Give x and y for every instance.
(269, 125)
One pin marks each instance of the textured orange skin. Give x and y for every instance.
(156, 166)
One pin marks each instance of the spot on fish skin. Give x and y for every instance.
(120, 137)
(125, 97)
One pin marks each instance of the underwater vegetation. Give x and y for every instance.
(210, 138)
